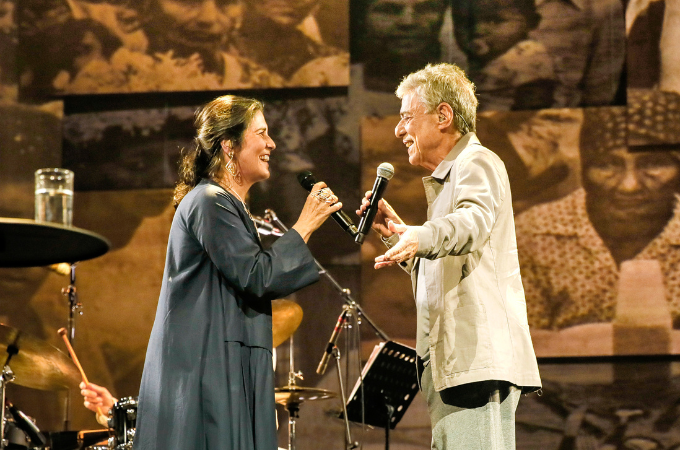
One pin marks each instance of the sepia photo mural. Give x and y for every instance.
(579, 98)
(172, 45)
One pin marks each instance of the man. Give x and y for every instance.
(572, 248)
(399, 36)
(586, 39)
(472, 340)
(284, 37)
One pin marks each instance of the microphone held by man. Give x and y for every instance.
(385, 173)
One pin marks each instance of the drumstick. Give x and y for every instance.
(62, 332)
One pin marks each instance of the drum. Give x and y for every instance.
(122, 422)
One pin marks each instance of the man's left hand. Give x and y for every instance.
(404, 250)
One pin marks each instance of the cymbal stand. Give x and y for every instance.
(6, 376)
(349, 443)
(352, 308)
(292, 408)
(74, 307)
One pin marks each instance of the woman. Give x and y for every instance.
(208, 381)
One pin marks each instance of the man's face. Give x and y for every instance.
(419, 131)
(631, 186)
(406, 27)
(199, 24)
(484, 34)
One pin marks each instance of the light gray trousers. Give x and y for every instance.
(475, 416)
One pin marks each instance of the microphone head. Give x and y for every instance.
(306, 180)
(386, 170)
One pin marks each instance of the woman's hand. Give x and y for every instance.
(96, 396)
(321, 203)
(383, 216)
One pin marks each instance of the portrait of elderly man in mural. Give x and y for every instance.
(572, 250)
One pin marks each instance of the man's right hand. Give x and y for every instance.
(97, 397)
(383, 216)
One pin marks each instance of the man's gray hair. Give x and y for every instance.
(444, 83)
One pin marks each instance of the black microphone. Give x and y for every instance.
(307, 181)
(331, 343)
(385, 173)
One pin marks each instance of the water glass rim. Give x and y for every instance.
(54, 170)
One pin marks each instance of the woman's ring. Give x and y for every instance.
(323, 195)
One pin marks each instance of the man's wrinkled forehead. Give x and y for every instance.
(411, 103)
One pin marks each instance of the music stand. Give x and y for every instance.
(389, 384)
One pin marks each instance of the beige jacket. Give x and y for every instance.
(477, 311)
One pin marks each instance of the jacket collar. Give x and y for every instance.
(444, 167)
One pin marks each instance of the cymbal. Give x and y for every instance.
(37, 365)
(286, 318)
(27, 243)
(298, 394)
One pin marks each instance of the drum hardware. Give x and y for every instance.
(88, 438)
(292, 397)
(77, 440)
(27, 425)
(27, 243)
(35, 363)
(122, 423)
(32, 363)
(7, 376)
(351, 310)
(16, 437)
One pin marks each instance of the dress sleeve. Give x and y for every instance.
(219, 227)
(478, 195)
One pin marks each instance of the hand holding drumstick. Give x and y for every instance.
(97, 398)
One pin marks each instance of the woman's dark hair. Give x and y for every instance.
(225, 118)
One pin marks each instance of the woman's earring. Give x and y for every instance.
(232, 169)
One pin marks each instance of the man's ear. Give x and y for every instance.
(444, 115)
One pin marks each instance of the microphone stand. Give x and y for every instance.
(345, 293)
(74, 307)
(351, 307)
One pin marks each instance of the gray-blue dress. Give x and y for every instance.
(208, 380)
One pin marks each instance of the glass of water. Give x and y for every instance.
(54, 196)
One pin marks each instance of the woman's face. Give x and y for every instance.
(632, 186)
(198, 24)
(253, 155)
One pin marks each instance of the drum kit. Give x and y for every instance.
(33, 363)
